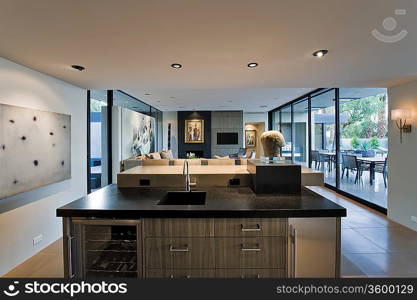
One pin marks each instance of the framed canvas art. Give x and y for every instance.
(194, 131)
(250, 138)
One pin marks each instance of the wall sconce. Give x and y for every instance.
(400, 116)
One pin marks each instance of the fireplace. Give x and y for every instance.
(197, 153)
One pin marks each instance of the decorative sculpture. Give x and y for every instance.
(272, 142)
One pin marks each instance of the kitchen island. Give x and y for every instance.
(232, 233)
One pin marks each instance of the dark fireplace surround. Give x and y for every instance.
(202, 150)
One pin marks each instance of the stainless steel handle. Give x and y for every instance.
(69, 249)
(257, 249)
(245, 229)
(172, 249)
(257, 276)
(186, 276)
(293, 237)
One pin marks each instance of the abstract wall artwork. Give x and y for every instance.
(194, 131)
(138, 133)
(35, 149)
(250, 138)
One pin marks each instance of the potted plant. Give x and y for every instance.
(355, 143)
(367, 150)
(374, 143)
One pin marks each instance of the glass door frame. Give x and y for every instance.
(108, 142)
(310, 96)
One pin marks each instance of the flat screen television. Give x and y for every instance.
(227, 138)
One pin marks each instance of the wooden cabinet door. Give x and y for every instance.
(180, 273)
(250, 273)
(250, 227)
(180, 227)
(179, 253)
(263, 252)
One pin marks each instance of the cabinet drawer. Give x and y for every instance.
(250, 273)
(250, 227)
(262, 252)
(179, 253)
(180, 273)
(179, 227)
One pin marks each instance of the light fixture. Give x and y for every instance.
(400, 116)
(252, 65)
(320, 53)
(263, 106)
(147, 94)
(78, 67)
(176, 66)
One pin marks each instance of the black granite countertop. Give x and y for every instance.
(134, 203)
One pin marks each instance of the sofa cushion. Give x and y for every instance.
(167, 154)
(154, 155)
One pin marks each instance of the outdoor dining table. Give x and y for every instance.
(372, 161)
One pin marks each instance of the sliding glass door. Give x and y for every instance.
(364, 143)
(99, 152)
(286, 130)
(300, 132)
(323, 134)
(342, 133)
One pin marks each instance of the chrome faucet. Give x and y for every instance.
(186, 172)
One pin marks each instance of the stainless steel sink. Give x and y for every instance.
(184, 198)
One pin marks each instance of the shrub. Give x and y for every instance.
(374, 143)
(355, 142)
(366, 146)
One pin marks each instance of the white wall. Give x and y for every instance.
(402, 182)
(170, 117)
(254, 117)
(27, 88)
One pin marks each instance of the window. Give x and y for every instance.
(323, 134)
(286, 130)
(343, 133)
(364, 143)
(300, 125)
(99, 156)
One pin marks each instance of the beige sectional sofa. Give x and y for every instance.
(165, 158)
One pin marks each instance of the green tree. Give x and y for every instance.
(366, 117)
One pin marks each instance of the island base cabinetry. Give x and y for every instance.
(202, 247)
(222, 248)
(314, 247)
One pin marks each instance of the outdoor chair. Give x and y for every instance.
(383, 169)
(351, 163)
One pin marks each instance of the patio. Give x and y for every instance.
(376, 193)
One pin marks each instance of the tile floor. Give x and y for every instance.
(376, 193)
(372, 246)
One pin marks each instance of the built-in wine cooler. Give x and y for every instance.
(105, 248)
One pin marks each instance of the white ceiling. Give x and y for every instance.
(130, 45)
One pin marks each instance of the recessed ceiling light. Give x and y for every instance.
(176, 66)
(78, 67)
(320, 53)
(252, 65)
(147, 94)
